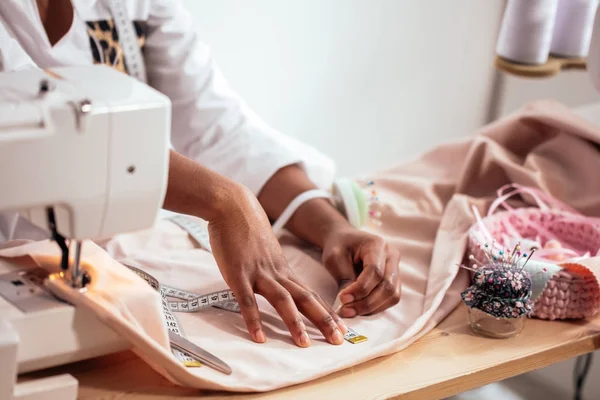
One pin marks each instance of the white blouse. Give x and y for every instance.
(210, 122)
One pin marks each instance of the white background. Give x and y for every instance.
(374, 82)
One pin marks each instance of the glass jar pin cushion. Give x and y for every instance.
(499, 299)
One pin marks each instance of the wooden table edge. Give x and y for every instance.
(497, 372)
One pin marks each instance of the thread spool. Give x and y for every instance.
(526, 32)
(573, 28)
(593, 59)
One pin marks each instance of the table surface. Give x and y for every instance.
(447, 361)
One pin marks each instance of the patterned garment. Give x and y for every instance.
(105, 44)
(500, 291)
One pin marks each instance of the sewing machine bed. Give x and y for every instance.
(447, 361)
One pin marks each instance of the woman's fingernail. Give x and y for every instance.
(304, 340)
(260, 336)
(348, 312)
(343, 327)
(337, 337)
(346, 298)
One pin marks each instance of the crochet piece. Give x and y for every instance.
(562, 288)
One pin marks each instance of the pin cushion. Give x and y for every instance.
(500, 291)
(500, 295)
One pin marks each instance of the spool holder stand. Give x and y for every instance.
(552, 67)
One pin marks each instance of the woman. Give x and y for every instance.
(227, 166)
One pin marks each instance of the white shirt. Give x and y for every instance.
(211, 124)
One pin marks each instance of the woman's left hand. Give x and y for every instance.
(366, 269)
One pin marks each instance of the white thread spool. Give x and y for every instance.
(526, 31)
(593, 58)
(573, 28)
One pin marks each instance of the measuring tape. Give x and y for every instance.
(198, 232)
(128, 39)
(188, 302)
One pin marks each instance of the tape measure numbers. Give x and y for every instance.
(188, 302)
(128, 39)
(171, 320)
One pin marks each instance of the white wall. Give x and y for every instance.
(392, 76)
(572, 88)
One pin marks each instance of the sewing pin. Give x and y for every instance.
(528, 257)
(465, 267)
(512, 256)
(472, 258)
(487, 255)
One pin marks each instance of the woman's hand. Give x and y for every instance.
(252, 262)
(246, 250)
(366, 269)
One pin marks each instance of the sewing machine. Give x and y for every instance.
(84, 154)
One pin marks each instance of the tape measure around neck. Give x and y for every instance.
(128, 40)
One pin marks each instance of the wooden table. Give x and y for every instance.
(447, 361)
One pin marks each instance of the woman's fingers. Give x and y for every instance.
(386, 294)
(249, 310)
(282, 301)
(339, 262)
(314, 308)
(340, 323)
(373, 261)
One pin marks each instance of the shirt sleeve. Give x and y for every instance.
(210, 122)
(12, 55)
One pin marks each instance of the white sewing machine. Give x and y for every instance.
(83, 153)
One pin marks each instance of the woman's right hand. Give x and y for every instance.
(252, 262)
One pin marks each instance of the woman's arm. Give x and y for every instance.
(246, 250)
(195, 190)
(314, 220)
(365, 267)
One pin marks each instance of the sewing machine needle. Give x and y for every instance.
(185, 346)
(76, 277)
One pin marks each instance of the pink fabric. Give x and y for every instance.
(131, 307)
(426, 213)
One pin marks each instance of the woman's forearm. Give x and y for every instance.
(195, 190)
(312, 221)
